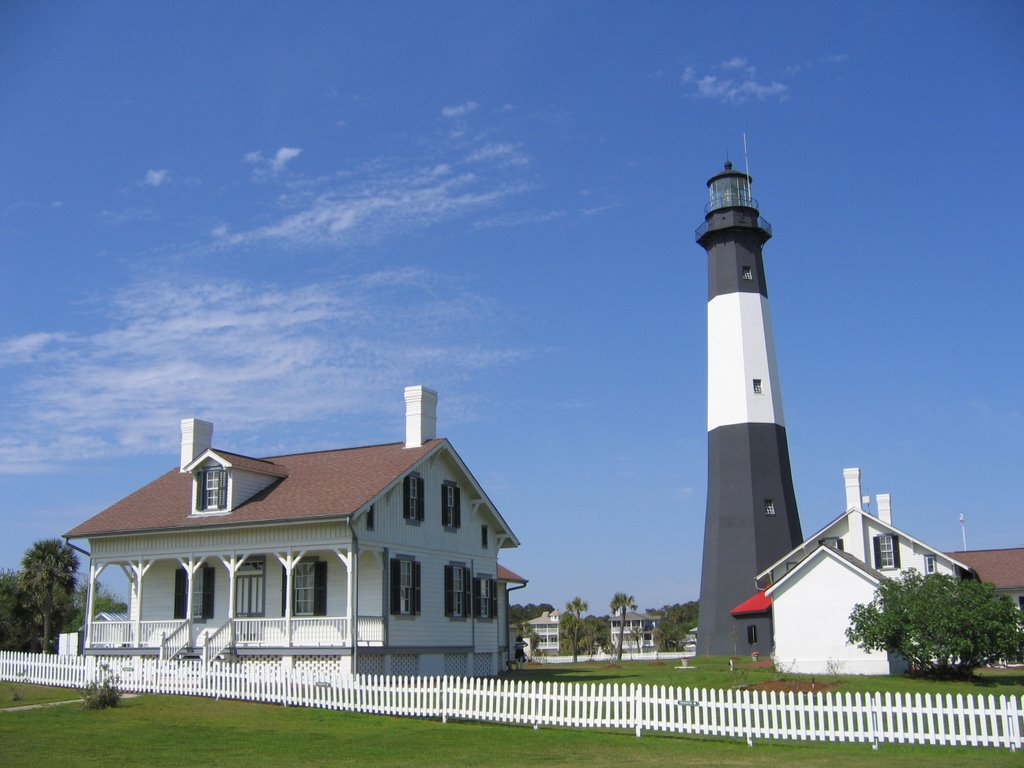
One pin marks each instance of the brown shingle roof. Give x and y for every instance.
(1002, 567)
(254, 465)
(323, 484)
(504, 574)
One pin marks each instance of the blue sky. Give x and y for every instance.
(276, 216)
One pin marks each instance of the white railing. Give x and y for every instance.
(215, 642)
(261, 632)
(121, 634)
(871, 718)
(112, 634)
(175, 641)
(320, 631)
(371, 630)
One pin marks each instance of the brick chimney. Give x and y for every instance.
(196, 437)
(420, 416)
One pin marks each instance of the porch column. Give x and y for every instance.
(190, 567)
(138, 570)
(347, 560)
(90, 603)
(232, 563)
(289, 561)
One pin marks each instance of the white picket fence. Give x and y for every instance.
(987, 721)
(611, 657)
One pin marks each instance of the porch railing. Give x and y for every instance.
(175, 642)
(215, 642)
(121, 634)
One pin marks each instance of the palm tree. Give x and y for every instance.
(49, 571)
(575, 608)
(621, 602)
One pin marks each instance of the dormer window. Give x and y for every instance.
(213, 489)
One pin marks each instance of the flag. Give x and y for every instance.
(961, 518)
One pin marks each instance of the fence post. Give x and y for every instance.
(444, 699)
(873, 705)
(636, 708)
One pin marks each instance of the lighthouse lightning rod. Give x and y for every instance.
(746, 163)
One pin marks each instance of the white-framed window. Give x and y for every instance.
(758, 387)
(412, 498)
(197, 592)
(929, 564)
(213, 489)
(769, 507)
(833, 542)
(303, 589)
(451, 513)
(457, 594)
(485, 592)
(886, 552)
(748, 273)
(483, 536)
(405, 586)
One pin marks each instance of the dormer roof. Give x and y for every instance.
(237, 461)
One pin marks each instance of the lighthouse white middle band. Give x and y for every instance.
(741, 353)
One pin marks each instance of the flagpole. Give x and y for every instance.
(963, 530)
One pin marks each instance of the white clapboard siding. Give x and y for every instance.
(981, 721)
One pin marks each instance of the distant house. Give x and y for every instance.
(803, 608)
(639, 636)
(383, 558)
(545, 627)
(1002, 568)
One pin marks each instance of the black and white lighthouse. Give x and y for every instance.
(751, 519)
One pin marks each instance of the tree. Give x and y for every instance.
(621, 602)
(49, 571)
(674, 627)
(944, 627)
(102, 600)
(16, 627)
(573, 621)
(595, 634)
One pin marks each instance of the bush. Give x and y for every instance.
(102, 694)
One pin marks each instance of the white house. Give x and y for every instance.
(383, 557)
(1002, 568)
(810, 592)
(639, 635)
(545, 627)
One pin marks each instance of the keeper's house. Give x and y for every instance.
(384, 557)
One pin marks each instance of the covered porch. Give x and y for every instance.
(258, 603)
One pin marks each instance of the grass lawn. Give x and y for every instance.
(22, 694)
(714, 672)
(172, 730)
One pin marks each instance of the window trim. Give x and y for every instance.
(412, 498)
(203, 489)
(458, 591)
(451, 506)
(403, 604)
(880, 558)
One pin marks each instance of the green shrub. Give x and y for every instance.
(102, 694)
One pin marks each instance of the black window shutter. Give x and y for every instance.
(445, 510)
(476, 597)
(467, 589)
(448, 591)
(396, 586)
(416, 588)
(222, 489)
(320, 588)
(201, 491)
(839, 544)
(419, 499)
(896, 551)
(209, 573)
(284, 590)
(180, 590)
(876, 542)
(405, 496)
(494, 598)
(457, 512)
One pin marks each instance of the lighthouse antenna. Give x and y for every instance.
(746, 162)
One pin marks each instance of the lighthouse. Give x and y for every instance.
(751, 518)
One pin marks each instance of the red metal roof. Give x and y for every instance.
(504, 574)
(756, 603)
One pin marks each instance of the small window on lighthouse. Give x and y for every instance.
(769, 507)
(748, 273)
(758, 389)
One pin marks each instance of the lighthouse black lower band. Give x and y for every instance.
(751, 521)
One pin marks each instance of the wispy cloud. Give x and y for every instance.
(271, 166)
(507, 154)
(156, 178)
(460, 110)
(372, 203)
(239, 354)
(738, 83)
